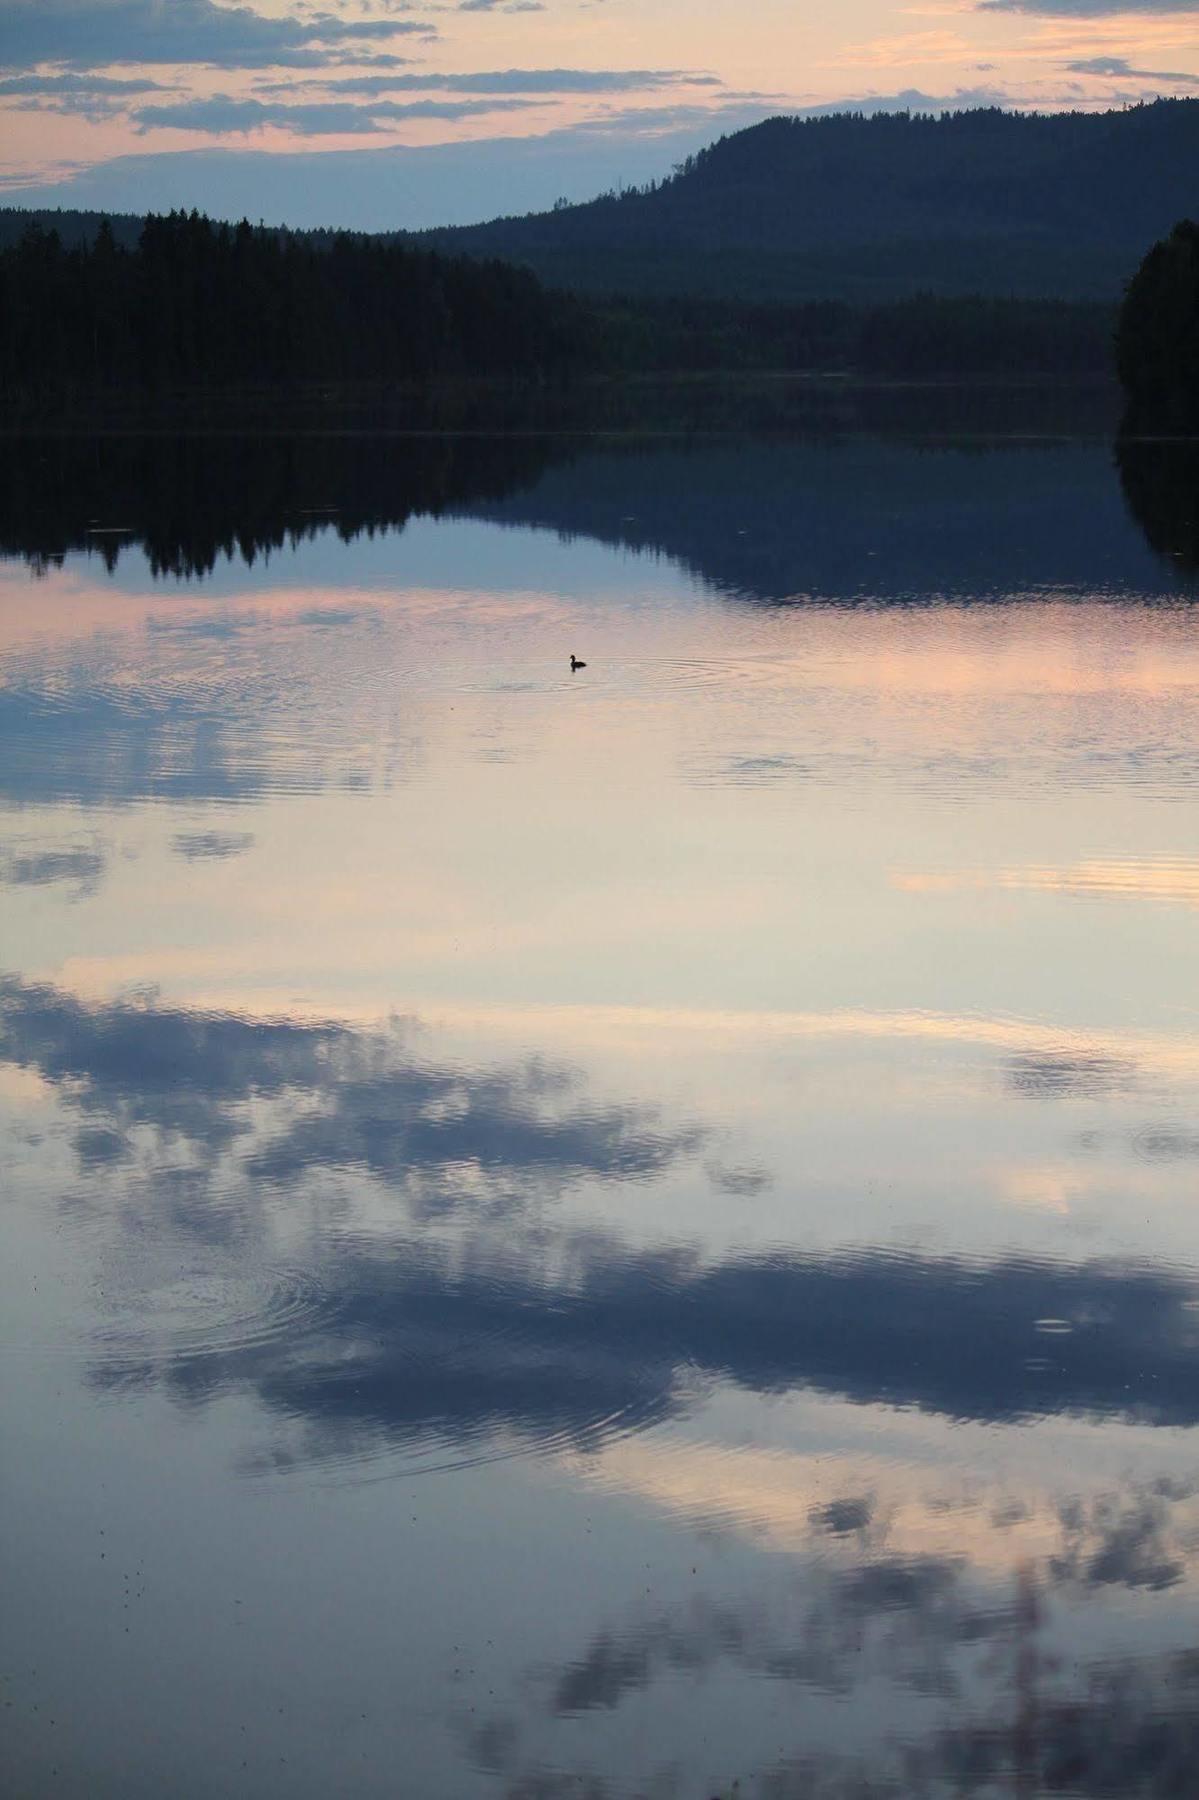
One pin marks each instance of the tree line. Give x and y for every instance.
(201, 306)
(191, 499)
(202, 303)
(926, 337)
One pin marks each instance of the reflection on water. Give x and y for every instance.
(190, 503)
(829, 514)
(1160, 480)
(624, 1232)
(502, 1334)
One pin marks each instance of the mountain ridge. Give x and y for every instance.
(876, 206)
(862, 208)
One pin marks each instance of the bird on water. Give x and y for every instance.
(576, 662)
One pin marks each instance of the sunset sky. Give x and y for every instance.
(384, 112)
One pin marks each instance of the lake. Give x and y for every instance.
(626, 1231)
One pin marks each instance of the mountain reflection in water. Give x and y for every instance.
(614, 1233)
(801, 516)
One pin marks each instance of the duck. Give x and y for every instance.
(576, 662)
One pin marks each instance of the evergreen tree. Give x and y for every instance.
(1157, 338)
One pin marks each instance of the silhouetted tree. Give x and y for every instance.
(1157, 339)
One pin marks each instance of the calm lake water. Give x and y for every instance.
(609, 1233)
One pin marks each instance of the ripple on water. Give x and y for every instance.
(439, 1453)
(418, 1378)
(365, 1374)
(206, 1314)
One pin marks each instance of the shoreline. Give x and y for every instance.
(640, 403)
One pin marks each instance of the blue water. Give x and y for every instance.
(608, 1233)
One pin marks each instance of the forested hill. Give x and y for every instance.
(856, 207)
(848, 207)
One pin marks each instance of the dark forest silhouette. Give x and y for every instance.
(870, 208)
(1157, 340)
(928, 335)
(190, 500)
(202, 303)
(199, 308)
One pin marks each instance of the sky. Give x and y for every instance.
(403, 113)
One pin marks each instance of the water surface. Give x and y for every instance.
(609, 1233)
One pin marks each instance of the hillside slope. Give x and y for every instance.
(865, 208)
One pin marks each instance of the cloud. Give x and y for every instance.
(908, 100)
(507, 81)
(93, 96)
(98, 1148)
(524, 1328)
(1120, 1544)
(817, 1635)
(842, 1517)
(82, 866)
(426, 1344)
(67, 92)
(99, 750)
(291, 1100)
(1061, 1075)
(430, 1345)
(728, 113)
(1119, 67)
(205, 846)
(1088, 9)
(69, 82)
(381, 1107)
(97, 32)
(1108, 1725)
(408, 187)
(221, 114)
(1014, 1714)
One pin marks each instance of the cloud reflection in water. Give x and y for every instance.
(515, 1325)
